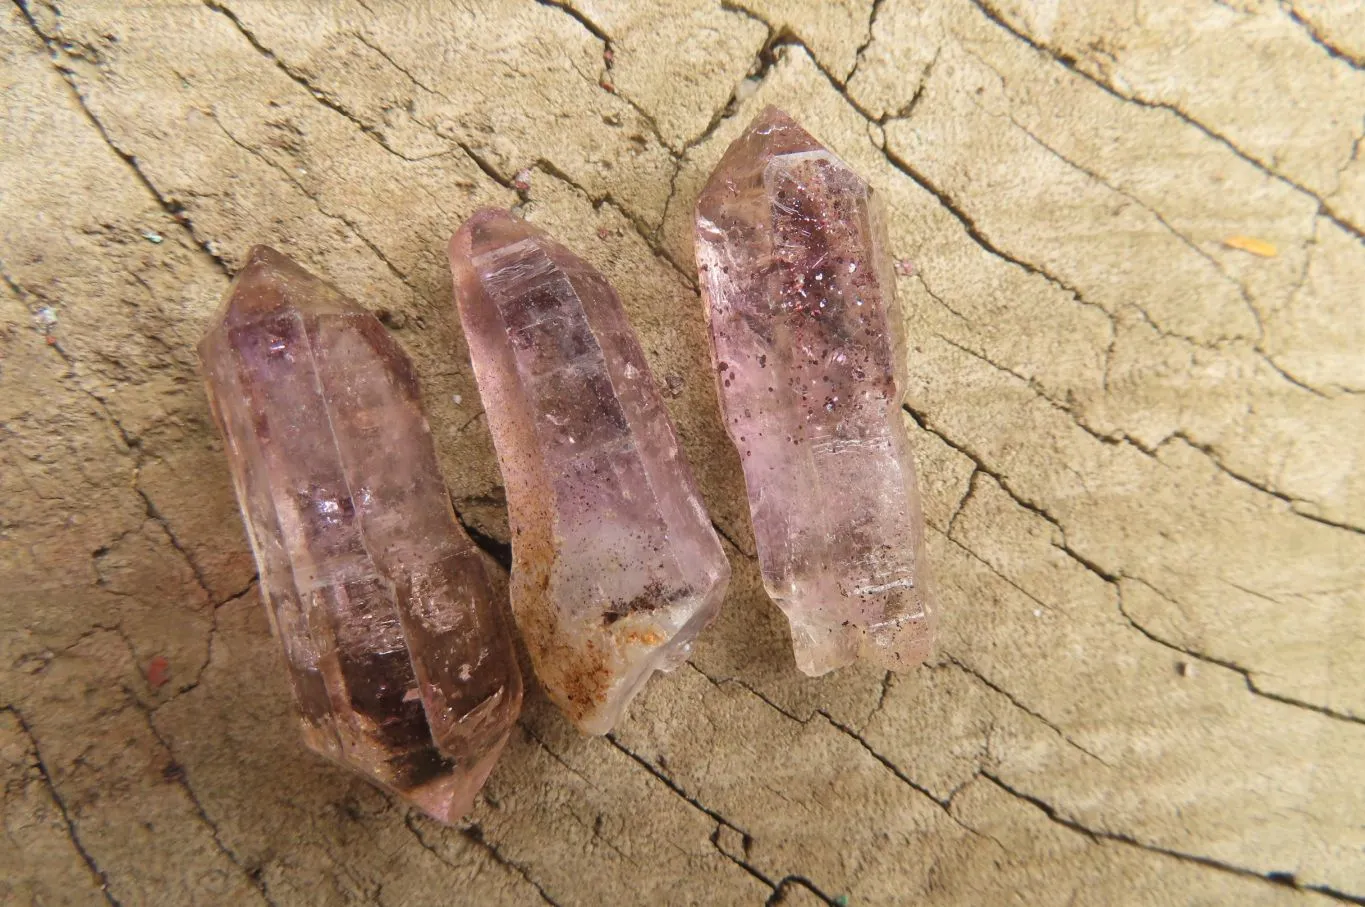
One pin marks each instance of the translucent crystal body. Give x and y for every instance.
(616, 567)
(807, 338)
(398, 654)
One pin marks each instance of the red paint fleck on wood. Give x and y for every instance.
(158, 672)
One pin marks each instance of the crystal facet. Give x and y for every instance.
(398, 653)
(616, 567)
(807, 338)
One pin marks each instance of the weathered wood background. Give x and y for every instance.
(1139, 443)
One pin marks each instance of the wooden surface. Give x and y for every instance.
(1131, 238)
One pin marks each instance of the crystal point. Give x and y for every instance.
(399, 656)
(616, 567)
(807, 339)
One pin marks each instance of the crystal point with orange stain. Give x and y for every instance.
(807, 337)
(398, 653)
(615, 565)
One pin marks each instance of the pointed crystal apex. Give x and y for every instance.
(263, 257)
(487, 230)
(775, 132)
(772, 134)
(272, 283)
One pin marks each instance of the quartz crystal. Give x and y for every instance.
(615, 566)
(807, 340)
(398, 653)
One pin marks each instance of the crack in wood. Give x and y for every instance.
(720, 821)
(1109, 577)
(101, 878)
(1286, 879)
(1073, 65)
(474, 834)
(171, 207)
(777, 40)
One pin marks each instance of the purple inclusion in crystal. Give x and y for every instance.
(616, 567)
(397, 650)
(807, 338)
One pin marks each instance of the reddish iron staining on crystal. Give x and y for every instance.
(616, 567)
(810, 361)
(398, 653)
